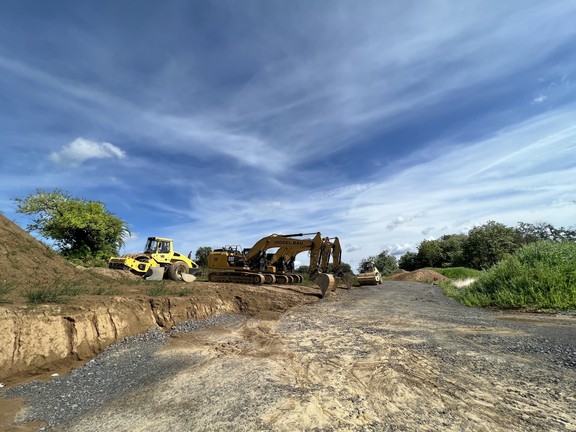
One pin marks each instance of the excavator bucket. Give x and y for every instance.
(326, 282)
(348, 280)
(155, 274)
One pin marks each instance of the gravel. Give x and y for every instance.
(127, 365)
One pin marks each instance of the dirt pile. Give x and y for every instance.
(27, 263)
(24, 260)
(423, 275)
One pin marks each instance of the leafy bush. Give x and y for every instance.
(541, 275)
(487, 244)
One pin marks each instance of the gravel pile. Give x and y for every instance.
(121, 368)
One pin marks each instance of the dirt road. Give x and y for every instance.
(399, 356)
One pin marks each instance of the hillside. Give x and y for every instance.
(27, 264)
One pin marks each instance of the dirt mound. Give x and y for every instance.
(23, 259)
(398, 271)
(26, 263)
(112, 274)
(429, 276)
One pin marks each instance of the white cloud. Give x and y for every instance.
(539, 99)
(399, 249)
(80, 150)
(352, 248)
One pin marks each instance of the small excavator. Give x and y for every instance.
(256, 266)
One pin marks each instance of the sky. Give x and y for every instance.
(381, 122)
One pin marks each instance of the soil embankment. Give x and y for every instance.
(42, 339)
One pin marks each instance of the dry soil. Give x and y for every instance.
(399, 356)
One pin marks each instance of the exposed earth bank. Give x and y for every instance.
(399, 356)
(46, 338)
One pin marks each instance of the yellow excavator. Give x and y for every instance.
(256, 266)
(283, 259)
(157, 262)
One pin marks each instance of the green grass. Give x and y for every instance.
(43, 294)
(539, 276)
(162, 288)
(54, 293)
(104, 290)
(5, 289)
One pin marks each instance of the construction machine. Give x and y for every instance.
(158, 261)
(369, 274)
(255, 265)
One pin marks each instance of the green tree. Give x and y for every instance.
(530, 233)
(202, 255)
(430, 254)
(344, 267)
(409, 261)
(385, 262)
(487, 244)
(81, 229)
(303, 269)
(452, 245)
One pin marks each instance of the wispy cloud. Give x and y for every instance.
(451, 191)
(539, 99)
(80, 150)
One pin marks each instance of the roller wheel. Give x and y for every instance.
(177, 268)
(258, 279)
(282, 279)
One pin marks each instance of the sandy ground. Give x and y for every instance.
(398, 356)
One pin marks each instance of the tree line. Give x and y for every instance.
(483, 246)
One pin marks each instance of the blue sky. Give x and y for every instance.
(218, 122)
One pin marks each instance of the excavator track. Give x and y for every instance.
(283, 279)
(237, 277)
(254, 278)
